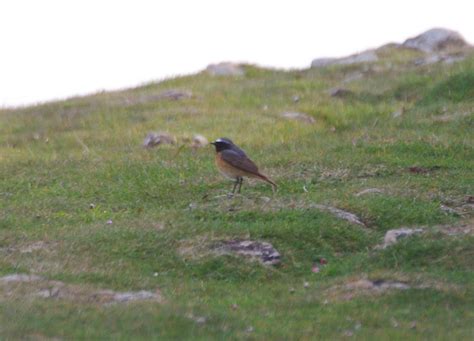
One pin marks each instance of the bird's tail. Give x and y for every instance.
(265, 178)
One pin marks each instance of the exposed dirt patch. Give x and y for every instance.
(357, 287)
(17, 286)
(465, 227)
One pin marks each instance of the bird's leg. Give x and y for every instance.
(235, 185)
(240, 180)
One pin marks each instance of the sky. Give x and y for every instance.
(53, 49)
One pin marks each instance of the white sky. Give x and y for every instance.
(55, 49)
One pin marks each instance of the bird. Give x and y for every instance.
(233, 163)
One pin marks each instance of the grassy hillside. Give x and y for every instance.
(87, 208)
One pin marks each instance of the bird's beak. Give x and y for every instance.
(213, 143)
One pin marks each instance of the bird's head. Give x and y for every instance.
(222, 144)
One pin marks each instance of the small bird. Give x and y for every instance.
(234, 164)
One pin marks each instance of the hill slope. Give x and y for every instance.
(87, 208)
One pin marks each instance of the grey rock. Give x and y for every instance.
(436, 58)
(155, 139)
(369, 191)
(174, 94)
(225, 69)
(448, 210)
(368, 56)
(17, 278)
(435, 40)
(394, 236)
(299, 117)
(350, 217)
(377, 285)
(262, 251)
(130, 296)
(199, 141)
(340, 92)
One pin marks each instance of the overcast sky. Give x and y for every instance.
(56, 49)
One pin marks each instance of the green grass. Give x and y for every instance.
(167, 206)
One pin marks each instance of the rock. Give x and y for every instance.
(436, 40)
(377, 285)
(398, 113)
(435, 58)
(350, 217)
(369, 191)
(448, 210)
(394, 236)
(174, 94)
(199, 141)
(225, 69)
(130, 296)
(340, 92)
(263, 251)
(363, 57)
(17, 278)
(299, 117)
(428, 60)
(155, 139)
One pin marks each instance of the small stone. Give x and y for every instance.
(200, 320)
(306, 285)
(262, 251)
(350, 217)
(340, 92)
(291, 290)
(109, 222)
(199, 141)
(91, 206)
(448, 210)
(174, 94)
(394, 236)
(20, 278)
(398, 113)
(296, 99)
(369, 191)
(155, 139)
(141, 295)
(299, 117)
(249, 329)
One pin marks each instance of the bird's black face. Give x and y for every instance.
(222, 144)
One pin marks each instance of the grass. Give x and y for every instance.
(167, 209)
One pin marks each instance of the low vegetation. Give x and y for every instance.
(83, 205)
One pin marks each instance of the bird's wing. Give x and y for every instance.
(240, 161)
